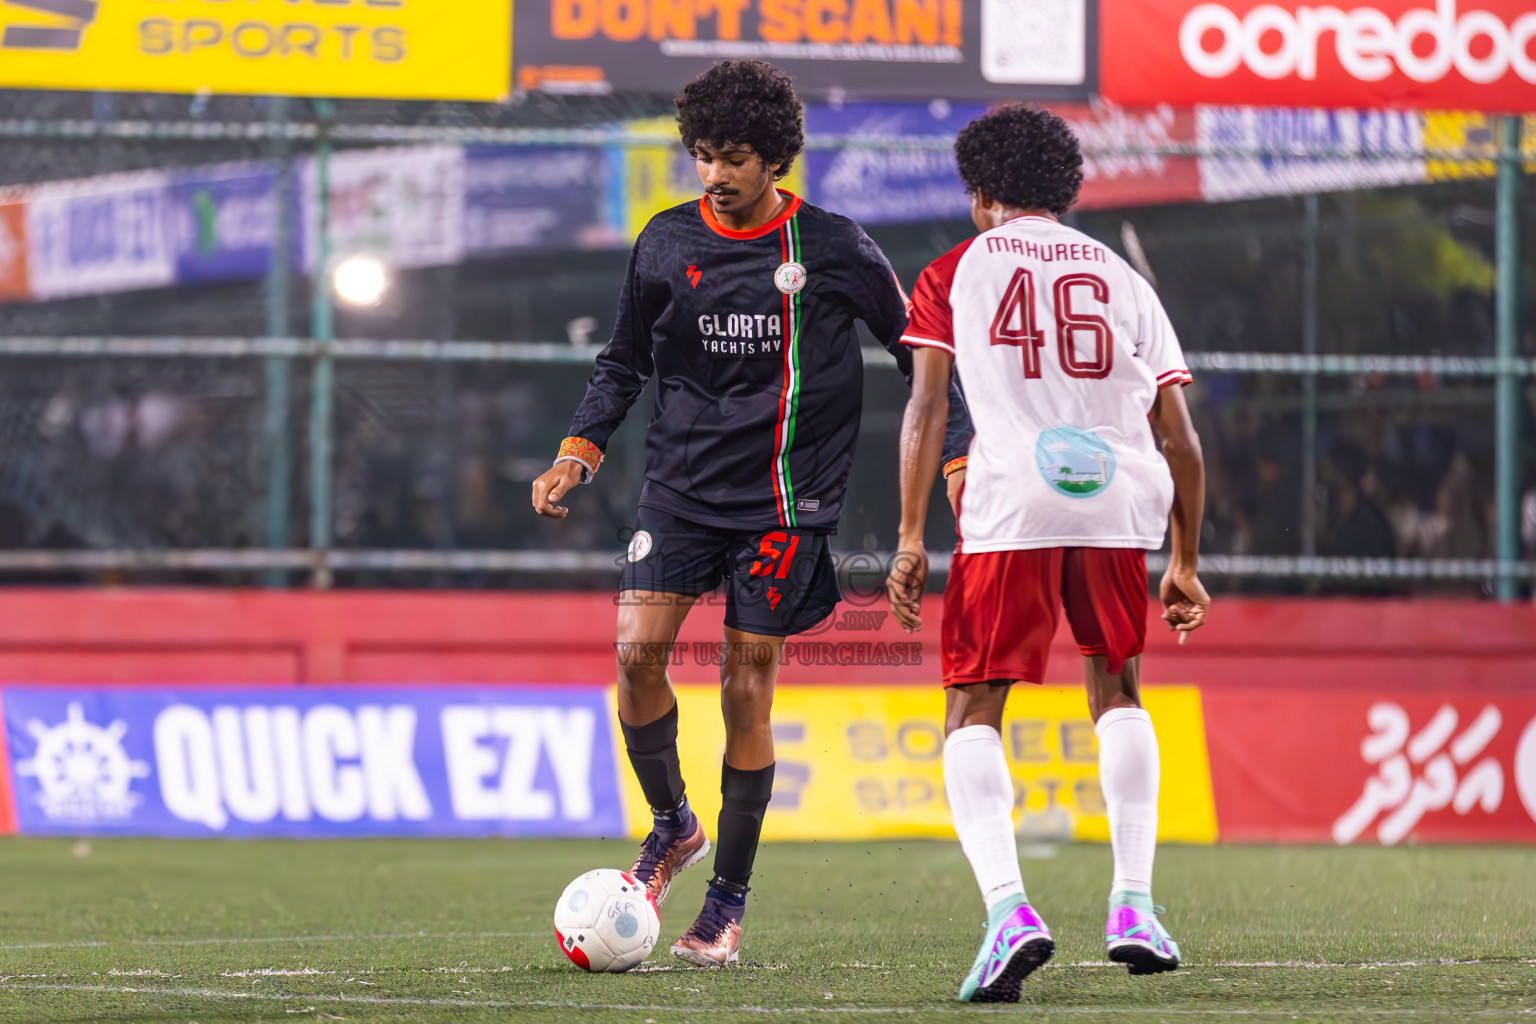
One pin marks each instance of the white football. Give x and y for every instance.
(605, 921)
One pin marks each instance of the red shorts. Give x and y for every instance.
(1001, 608)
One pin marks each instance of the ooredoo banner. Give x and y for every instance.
(1414, 54)
(524, 761)
(959, 49)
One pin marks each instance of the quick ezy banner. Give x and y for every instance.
(312, 762)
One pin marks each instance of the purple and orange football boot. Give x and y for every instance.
(663, 855)
(715, 936)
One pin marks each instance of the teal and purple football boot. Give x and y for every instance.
(1136, 938)
(1017, 942)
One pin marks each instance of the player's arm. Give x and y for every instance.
(932, 435)
(885, 311)
(618, 377)
(923, 430)
(957, 424)
(1185, 601)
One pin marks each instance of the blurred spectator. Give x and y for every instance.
(1357, 528)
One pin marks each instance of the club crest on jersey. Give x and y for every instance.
(639, 546)
(790, 278)
(1074, 462)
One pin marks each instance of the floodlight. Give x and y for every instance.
(361, 280)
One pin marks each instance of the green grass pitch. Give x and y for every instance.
(138, 930)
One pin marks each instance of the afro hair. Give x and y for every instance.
(746, 103)
(1023, 156)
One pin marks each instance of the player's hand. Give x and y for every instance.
(555, 484)
(1185, 602)
(952, 485)
(904, 585)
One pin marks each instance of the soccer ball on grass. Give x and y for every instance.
(605, 921)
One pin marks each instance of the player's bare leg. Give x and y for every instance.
(648, 625)
(980, 791)
(1128, 774)
(748, 673)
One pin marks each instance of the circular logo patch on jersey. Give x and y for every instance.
(639, 546)
(1074, 462)
(790, 278)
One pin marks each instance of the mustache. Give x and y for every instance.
(721, 191)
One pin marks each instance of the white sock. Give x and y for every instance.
(1128, 775)
(981, 800)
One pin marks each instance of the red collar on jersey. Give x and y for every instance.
(767, 229)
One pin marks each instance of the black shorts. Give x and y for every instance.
(778, 582)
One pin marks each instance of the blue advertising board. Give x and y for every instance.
(538, 198)
(312, 762)
(223, 221)
(880, 185)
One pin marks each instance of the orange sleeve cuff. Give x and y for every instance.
(954, 465)
(579, 449)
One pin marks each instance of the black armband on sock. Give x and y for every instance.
(652, 752)
(745, 796)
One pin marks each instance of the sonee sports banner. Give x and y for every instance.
(386, 49)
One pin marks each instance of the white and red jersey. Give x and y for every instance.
(1061, 349)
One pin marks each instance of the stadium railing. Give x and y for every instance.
(322, 563)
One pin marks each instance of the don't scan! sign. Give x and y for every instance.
(394, 49)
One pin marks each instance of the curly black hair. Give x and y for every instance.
(748, 103)
(1023, 156)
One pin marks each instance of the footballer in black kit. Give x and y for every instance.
(742, 307)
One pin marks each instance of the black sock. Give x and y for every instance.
(676, 824)
(729, 897)
(745, 797)
(653, 754)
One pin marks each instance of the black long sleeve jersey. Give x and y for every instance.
(750, 335)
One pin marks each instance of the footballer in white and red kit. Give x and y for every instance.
(1065, 354)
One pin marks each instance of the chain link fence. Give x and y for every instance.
(1343, 336)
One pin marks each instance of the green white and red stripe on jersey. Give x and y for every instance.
(789, 392)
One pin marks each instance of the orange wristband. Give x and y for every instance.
(579, 449)
(954, 465)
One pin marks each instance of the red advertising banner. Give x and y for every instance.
(1117, 169)
(13, 250)
(1415, 54)
(1301, 766)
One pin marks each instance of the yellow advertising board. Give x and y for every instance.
(661, 176)
(394, 49)
(867, 762)
(1464, 132)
